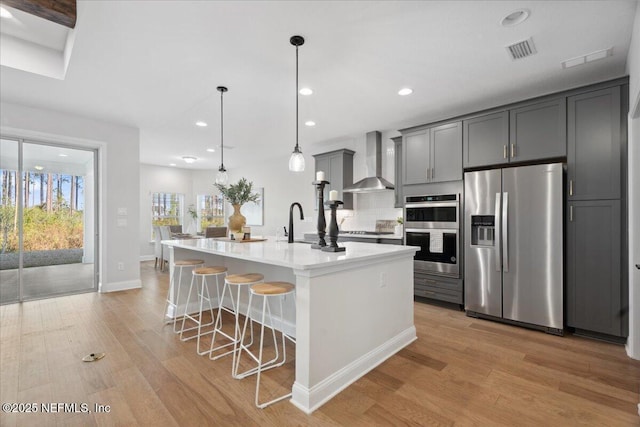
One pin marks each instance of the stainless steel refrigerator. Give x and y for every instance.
(513, 266)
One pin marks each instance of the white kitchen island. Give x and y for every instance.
(353, 309)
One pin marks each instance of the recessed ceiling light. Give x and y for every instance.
(38, 167)
(201, 124)
(515, 18)
(5, 13)
(405, 91)
(211, 150)
(63, 155)
(310, 123)
(189, 159)
(172, 164)
(305, 91)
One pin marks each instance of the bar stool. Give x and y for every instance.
(238, 281)
(202, 273)
(179, 265)
(268, 290)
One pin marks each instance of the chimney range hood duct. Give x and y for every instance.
(374, 166)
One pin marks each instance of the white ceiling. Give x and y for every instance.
(155, 65)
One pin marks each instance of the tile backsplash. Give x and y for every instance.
(367, 208)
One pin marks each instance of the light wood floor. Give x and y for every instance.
(460, 371)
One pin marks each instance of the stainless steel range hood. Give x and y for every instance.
(374, 180)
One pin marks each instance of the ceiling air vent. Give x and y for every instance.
(522, 49)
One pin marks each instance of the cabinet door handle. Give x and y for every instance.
(433, 173)
(504, 151)
(571, 213)
(571, 187)
(513, 150)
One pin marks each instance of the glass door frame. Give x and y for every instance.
(20, 211)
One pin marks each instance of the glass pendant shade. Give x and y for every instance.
(296, 161)
(222, 178)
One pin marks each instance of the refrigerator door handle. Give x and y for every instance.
(505, 232)
(496, 246)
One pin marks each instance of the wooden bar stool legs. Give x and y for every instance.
(173, 289)
(202, 288)
(268, 291)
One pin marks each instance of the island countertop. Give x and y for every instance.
(298, 256)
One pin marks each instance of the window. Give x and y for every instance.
(210, 210)
(166, 209)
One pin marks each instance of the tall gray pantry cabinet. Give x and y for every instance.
(597, 301)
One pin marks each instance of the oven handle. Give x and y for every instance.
(429, 230)
(432, 205)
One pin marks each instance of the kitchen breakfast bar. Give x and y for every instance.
(352, 310)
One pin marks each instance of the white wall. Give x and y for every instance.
(118, 153)
(160, 179)
(281, 187)
(633, 69)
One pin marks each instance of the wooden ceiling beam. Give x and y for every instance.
(61, 12)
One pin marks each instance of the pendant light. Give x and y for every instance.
(296, 162)
(222, 178)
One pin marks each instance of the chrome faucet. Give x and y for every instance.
(291, 219)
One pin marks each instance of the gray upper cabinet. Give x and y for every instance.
(416, 153)
(486, 140)
(538, 131)
(446, 152)
(593, 158)
(338, 168)
(397, 147)
(532, 131)
(433, 154)
(594, 291)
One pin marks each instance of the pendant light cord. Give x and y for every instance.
(221, 132)
(297, 120)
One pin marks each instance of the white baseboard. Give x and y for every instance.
(119, 286)
(311, 399)
(147, 257)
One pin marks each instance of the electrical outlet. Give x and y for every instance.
(121, 266)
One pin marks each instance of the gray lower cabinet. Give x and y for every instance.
(593, 159)
(338, 168)
(432, 154)
(399, 197)
(595, 301)
(438, 288)
(486, 140)
(538, 131)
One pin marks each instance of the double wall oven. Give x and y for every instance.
(433, 224)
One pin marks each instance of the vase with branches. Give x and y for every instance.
(237, 195)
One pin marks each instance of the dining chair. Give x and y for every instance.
(158, 247)
(165, 234)
(175, 228)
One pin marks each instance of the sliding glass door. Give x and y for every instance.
(48, 246)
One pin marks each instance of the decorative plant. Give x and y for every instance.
(240, 193)
(399, 220)
(193, 212)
